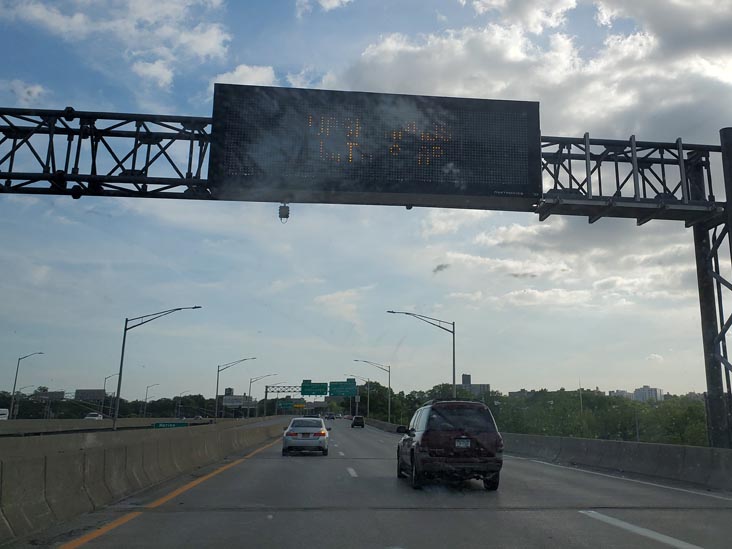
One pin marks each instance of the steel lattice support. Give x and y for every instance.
(107, 154)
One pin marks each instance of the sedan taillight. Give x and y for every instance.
(320, 434)
(291, 434)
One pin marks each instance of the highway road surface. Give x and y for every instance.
(352, 498)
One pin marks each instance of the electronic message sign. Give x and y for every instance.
(295, 145)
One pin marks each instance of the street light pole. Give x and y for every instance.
(104, 397)
(387, 369)
(436, 322)
(254, 380)
(180, 402)
(15, 383)
(368, 391)
(220, 369)
(140, 320)
(144, 410)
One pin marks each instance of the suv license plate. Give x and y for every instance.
(306, 435)
(462, 443)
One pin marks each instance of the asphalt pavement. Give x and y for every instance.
(352, 498)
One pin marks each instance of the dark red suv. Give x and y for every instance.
(451, 439)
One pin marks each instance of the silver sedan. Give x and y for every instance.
(309, 434)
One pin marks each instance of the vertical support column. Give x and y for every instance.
(717, 428)
(725, 140)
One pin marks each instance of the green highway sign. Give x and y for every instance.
(169, 425)
(285, 404)
(308, 388)
(343, 388)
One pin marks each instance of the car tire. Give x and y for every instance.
(284, 452)
(415, 477)
(325, 452)
(400, 472)
(491, 484)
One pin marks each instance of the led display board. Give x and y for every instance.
(294, 145)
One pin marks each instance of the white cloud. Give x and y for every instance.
(554, 297)
(343, 304)
(252, 75)
(302, 7)
(328, 5)
(158, 71)
(474, 296)
(655, 358)
(643, 82)
(535, 15)
(157, 39)
(529, 268)
(23, 93)
(443, 222)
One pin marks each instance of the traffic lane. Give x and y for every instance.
(368, 528)
(298, 486)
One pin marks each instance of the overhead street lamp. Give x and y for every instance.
(144, 409)
(254, 380)
(368, 390)
(15, 383)
(438, 324)
(220, 369)
(104, 397)
(21, 392)
(387, 369)
(140, 320)
(180, 401)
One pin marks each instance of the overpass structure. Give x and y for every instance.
(84, 153)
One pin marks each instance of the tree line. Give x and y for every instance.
(591, 414)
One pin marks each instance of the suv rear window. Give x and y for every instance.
(461, 418)
(307, 423)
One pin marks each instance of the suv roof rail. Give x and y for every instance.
(436, 400)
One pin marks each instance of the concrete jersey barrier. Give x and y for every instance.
(707, 467)
(50, 479)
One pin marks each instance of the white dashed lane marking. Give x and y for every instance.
(645, 532)
(341, 453)
(351, 472)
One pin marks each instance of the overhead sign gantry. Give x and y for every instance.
(289, 145)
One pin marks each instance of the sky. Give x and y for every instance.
(536, 304)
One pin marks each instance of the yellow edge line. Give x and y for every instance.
(83, 540)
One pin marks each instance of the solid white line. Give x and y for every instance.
(351, 472)
(341, 453)
(645, 532)
(694, 492)
(335, 445)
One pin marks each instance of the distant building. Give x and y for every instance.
(478, 390)
(621, 393)
(695, 396)
(523, 393)
(646, 394)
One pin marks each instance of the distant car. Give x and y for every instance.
(94, 415)
(305, 434)
(358, 421)
(197, 418)
(453, 440)
(4, 414)
(330, 416)
(339, 416)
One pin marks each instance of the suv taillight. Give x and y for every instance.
(500, 444)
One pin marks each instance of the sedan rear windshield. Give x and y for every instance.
(311, 423)
(462, 418)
